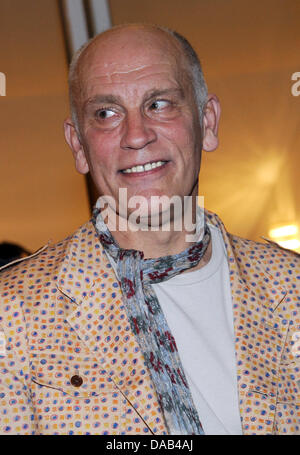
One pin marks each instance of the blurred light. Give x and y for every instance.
(291, 244)
(286, 236)
(283, 231)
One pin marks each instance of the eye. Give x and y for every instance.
(104, 114)
(158, 105)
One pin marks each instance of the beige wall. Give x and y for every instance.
(249, 50)
(42, 196)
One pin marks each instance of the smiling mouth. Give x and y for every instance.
(144, 167)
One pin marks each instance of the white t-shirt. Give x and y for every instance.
(198, 309)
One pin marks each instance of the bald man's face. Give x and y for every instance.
(138, 119)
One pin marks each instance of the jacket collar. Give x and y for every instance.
(99, 318)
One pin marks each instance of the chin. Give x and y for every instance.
(156, 212)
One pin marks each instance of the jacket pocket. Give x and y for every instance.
(289, 385)
(90, 404)
(261, 347)
(288, 400)
(73, 375)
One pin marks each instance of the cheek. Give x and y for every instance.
(181, 134)
(101, 150)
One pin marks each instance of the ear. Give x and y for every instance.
(75, 144)
(211, 118)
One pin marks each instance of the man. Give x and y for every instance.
(139, 331)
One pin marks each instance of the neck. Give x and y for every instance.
(153, 244)
(159, 244)
(171, 239)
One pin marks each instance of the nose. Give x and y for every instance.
(137, 132)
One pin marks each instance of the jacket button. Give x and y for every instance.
(76, 380)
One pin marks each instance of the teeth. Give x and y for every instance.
(146, 167)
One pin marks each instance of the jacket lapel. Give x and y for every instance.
(260, 331)
(100, 321)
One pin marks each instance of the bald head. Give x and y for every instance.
(132, 42)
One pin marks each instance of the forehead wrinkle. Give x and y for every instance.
(111, 83)
(127, 71)
(117, 75)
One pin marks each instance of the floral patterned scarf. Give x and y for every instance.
(149, 325)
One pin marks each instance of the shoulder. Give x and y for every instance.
(18, 279)
(38, 264)
(249, 252)
(255, 259)
(276, 260)
(265, 251)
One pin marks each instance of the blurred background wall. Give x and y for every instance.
(249, 51)
(41, 196)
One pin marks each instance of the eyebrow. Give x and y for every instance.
(160, 92)
(103, 99)
(114, 99)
